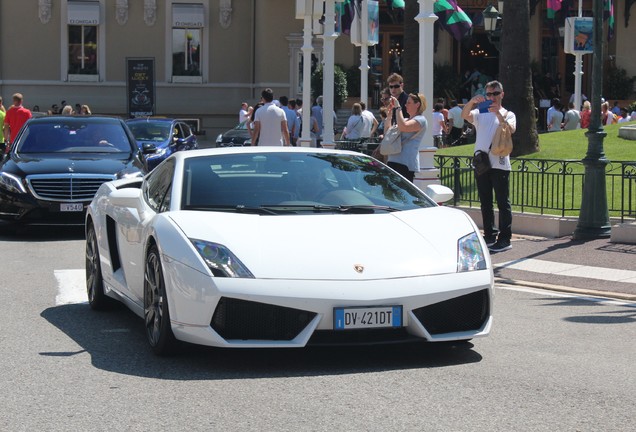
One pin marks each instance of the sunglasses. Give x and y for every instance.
(416, 98)
(394, 86)
(495, 93)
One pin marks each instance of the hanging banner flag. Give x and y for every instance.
(452, 18)
(374, 22)
(553, 7)
(608, 15)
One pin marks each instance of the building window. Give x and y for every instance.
(187, 39)
(83, 30)
(82, 50)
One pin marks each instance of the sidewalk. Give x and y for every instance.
(594, 267)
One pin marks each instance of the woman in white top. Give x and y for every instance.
(355, 125)
(438, 128)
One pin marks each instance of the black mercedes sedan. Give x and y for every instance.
(57, 163)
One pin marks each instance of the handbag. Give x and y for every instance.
(502, 141)
(481, 162)
(392, 142)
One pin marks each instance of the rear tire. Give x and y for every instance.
(156, 312)
(97, 299)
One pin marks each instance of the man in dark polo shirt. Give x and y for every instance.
(15, 118)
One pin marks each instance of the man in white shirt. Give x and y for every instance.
(455, 122)
(572, 118)
(244, 113)
(369, 121)
(270, 123)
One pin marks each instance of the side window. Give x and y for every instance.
(158, 187)
(186, 129)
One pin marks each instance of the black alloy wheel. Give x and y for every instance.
(156, 314)
(94, 281)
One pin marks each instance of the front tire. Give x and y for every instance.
(156, 313)
(97, 299)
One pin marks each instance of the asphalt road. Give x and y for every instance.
(552, 362)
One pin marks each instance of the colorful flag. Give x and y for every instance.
(452, 18)
(608, 15)
(553, 7)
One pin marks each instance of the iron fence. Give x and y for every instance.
(545, 186)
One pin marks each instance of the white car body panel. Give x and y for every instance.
(304, 262)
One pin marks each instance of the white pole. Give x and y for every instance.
(426, 18)
(307, 49)
(364, 52)
(578, 71)
(329, 38)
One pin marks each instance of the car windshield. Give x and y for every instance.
(150, 130)
(294, 183)
(72, 136)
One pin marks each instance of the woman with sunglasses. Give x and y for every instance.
(412, 130)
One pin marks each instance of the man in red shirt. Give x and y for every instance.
(15, 118)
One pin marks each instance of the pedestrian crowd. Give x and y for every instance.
(558, 119)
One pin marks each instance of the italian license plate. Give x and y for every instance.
(367, 317)
(71, 207)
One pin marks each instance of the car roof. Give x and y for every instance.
(54, 119)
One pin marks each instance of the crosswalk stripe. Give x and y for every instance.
(71, 286)
(564, 269)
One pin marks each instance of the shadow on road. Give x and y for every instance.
(116, 342)
(40, 233)
(624, 315)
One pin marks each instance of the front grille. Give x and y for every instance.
(241, 319)
(361, 337)
(465, 313)
(66, 187)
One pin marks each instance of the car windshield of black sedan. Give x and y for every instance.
(150, 130)
(294, 183)
(62, 136)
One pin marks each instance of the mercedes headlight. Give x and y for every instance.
(219, 139)
(11, 183)
(470, 255)
(159, 153)
(221, 261)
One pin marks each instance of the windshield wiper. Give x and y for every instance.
(367, 208)
(335, 208)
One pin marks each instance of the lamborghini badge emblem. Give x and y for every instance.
(359, 268)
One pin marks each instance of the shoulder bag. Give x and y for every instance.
(481, 162)
(392, 142)
(502, 141)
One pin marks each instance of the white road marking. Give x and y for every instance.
(576, 270)
(71, 287)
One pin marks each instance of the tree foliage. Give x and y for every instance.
(339, 87)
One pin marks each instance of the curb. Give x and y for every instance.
(565, 289)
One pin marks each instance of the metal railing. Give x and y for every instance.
(545, 186)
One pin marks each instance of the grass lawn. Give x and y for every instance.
(568, 145)
(565, 145)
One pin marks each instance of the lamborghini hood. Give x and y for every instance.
(335, 246)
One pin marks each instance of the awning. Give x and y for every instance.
(83, 13)
(188, 15)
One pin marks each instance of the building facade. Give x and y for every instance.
(210, 55)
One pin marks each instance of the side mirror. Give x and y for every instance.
(126, 197)
(148, 148)
(438, 193)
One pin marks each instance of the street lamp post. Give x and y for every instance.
(594, 216)
(492, 23)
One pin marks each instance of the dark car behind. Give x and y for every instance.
(57, 163)
(235, 137)
(158, 138)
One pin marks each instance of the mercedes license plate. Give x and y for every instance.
(346, 318)
(71, 207)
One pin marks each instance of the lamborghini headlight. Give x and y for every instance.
(11, 183)
(221, 261)
(470, 255)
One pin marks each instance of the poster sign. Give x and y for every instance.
(578, 35)
(374, 22)
(140, 86)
